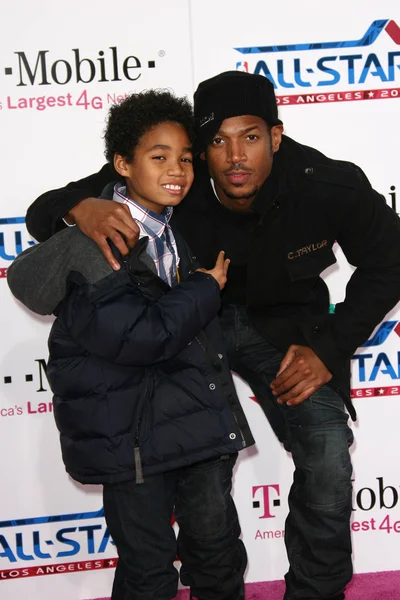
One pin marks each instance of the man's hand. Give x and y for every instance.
(301, 373)
(220, 271)
(102, 219)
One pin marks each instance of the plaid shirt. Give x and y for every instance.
(161, 246)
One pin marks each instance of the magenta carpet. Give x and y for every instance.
(368, 586)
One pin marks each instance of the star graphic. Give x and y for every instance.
(381, 391)
(371, 94)
(110, 563)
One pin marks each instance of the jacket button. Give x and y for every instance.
(315, 329)
(276, 204)
(232, 436)
(309, 171)
(221, 356)
(212, 386)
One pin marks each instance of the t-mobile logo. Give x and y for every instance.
(269, 497)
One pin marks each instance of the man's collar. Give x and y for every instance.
(275, 185)
(214, 190)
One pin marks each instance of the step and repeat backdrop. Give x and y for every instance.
(336, 71)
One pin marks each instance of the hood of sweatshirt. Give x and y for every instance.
(38, 276)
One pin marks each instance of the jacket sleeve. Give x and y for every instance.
(369, 235)
(38, 276)
(44, 216)
(121, 326)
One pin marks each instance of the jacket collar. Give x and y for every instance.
(273, 187)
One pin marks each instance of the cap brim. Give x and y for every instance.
(204, 136)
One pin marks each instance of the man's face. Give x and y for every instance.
(240, 159)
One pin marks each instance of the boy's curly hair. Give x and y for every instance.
(129, 120)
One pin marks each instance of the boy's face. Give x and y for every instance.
(161, 171)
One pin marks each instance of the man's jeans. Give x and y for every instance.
(317, 532)
(212, 555)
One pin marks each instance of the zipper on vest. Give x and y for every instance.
(136, 449)
(238, 426)
(138, 463)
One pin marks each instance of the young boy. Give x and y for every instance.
(143, 397)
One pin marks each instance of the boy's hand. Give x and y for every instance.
(220, 271)
(102, 219)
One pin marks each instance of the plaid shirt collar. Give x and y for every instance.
(161, 246)
(153, 221)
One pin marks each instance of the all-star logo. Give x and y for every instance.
(376, 365)
(331, 71)
(382, 333)
(369, 37)
(14, 238)
(49, 540)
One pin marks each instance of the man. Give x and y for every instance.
(277, 207)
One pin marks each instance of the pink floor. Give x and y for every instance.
(368, 586)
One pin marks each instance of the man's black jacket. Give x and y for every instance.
(308, 203)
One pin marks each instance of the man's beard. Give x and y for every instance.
(239, 196)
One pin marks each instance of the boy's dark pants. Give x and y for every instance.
(212, 555)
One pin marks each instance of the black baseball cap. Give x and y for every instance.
(231, 94)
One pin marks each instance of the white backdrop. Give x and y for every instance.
(62, 64)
